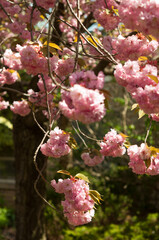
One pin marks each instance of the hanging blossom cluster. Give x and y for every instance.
(3, 104)
(136, 77)
(83, 104)
(104, 14)
(143, 160)
(141, 15)
(11, 59)
(20, 107)
(113, 144)
(92, 158)
(57, 145)
(78, 206)
(132, 47)
(34, 61)
(87, 79)
(8, 76)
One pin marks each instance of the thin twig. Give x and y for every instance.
(148, 130)
(11, 20)
(14, 90)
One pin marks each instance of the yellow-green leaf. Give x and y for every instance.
(123, 135)
(95, 196)
(64, 172)
(82, 176)
(72, 143)
(6, 122)
(154, 78)
(53, 45)
(135, 105)
(141, 113)
(93, 41)
(115, 11)
(150, 38)
(142, 58)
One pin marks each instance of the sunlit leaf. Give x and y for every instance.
(6, 122)
(82, 176)
(72, 143)
(93, 41)
(142, 58)
(53, 45)
(154, 151)
(95, 196)
(154, 78)
(123, 135)
(115, 11)
(64, 172)
(135, 105)
(150, 38)
(141, 113)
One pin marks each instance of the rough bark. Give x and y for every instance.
(29, 206)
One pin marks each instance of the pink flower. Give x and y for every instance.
(85, 105)
(137, 156)
(92, 158)
(113, 144)
(21, 108)
(57, 145)
(78, 205)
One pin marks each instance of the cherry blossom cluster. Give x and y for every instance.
(92, 158)
(57, 145)
(132, 47)
(20, 107)
(67, 30)
(78, 205)
(141, 15)
(46, 3)
(34, 61)
(8, 76)
(113, 144)
(11, 59)
(87, 79)
(137, 80)
(83, 104)
(3, 104)
(108, 20)
(142, 161)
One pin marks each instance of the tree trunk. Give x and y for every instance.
(29, 206)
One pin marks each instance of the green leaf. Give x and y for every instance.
(95, 196)
(6, 122)
(64, 172)
(141, 113)
(135, 105)
(72, 143)
(53, 45)
(82, 176)
(154, 78)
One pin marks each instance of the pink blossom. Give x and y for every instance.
(65, 67)
(8, 76)
(12, 60)
(78, 205)
(3, 104)
(21, 108)
(92, 158)
(113, 144)
(57, 145)
(87, 79)
(141, 15)
(85, 105)
(137, 157)
(132, 47)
